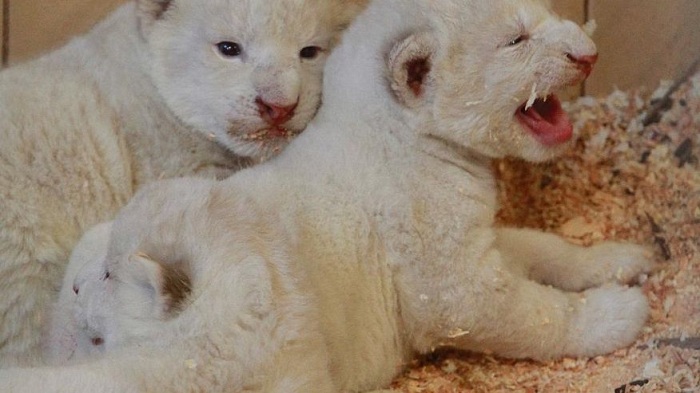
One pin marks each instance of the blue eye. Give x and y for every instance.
(229, 49)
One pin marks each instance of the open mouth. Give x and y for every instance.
(546, 120)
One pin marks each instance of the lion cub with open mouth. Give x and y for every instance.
(160, 89)
(371, 237)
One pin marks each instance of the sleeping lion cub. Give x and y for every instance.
(78, 321)
(371, 236)
(160, 89)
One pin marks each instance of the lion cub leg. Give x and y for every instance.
(551, 260)
(499, 311)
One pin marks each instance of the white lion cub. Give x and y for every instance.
(76, 327)
(371, 236)
(82, 323)
(160, 89)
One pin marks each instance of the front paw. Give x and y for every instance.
(616, 262)
(608, 318)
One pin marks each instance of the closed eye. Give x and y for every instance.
(519, 39)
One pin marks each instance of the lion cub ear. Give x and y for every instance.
(168, 284)
(410, 63)
(150, 11)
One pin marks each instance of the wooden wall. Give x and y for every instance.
(571, 9)
(640, 41)
(3, 34)
(38, 25)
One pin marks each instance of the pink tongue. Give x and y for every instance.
(547, 121)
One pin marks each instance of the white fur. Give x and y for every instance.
(371, 236)
(82, 323)
(144, 96)
(72, 328)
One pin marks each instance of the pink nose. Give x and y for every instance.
(583, 62)
(274, 114)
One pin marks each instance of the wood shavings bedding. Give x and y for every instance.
(633, 175)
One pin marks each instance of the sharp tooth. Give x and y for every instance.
(533, 97)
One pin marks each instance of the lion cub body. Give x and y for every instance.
(371, 236)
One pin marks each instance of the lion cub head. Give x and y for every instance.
(245, 72)
(487, 81)
(100, 309)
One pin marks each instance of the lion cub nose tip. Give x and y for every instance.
(273, 113)
(584, 62)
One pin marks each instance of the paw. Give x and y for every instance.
(609, 318)
(611, 262)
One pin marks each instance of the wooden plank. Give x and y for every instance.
(574, 10)
(3, 33)
(643, 41)
(38, 26)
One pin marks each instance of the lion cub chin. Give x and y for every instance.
(160, 89)
(372, 236)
